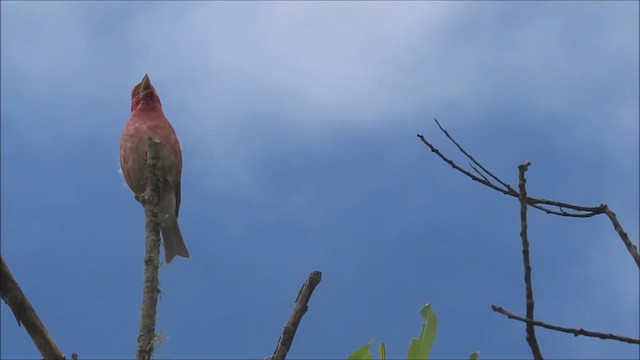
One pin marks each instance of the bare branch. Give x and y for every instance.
(151, 287)
(561, 212)
(531, 334)
(575, 332)
(623, 234)
(506, 189)
(26, 314)
(592, 209)
(564, 209)
(299, 309)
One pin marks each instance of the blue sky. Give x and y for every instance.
(298, 123)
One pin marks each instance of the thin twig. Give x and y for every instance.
(446, 133)
(575, 332)
(531, 333)
(595, 209)
(457, 167)
(299, 309)
(560, 212)
(26, 314)
(479, 173)
(151, 287)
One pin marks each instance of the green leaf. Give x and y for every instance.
(362, 353)
(475, 355)
(420, 347)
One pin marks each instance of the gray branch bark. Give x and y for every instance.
(26, 315)
(531, 331)
(299, 309)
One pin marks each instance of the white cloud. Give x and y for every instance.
(326, 64)
(224, 69)
(343, 59)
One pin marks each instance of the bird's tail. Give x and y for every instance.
(173, 241)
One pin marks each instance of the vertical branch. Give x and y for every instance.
(151, 287)
(531, 335)
(300, 307)
(26, 314)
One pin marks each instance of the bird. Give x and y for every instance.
(148, 120)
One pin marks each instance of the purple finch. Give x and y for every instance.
(148, 120)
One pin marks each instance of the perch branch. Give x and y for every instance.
(575, 332)
(26, 314)
(531, 333)
(563, 209)
(151, 288)
(299, 309)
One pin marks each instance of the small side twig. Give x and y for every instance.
(575, 332)
(299, 309)
(151, 287)
(479, 173)
(26, 315)
(531, 334)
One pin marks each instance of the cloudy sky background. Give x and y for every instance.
(298, 124)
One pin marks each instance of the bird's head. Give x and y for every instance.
(144, 96)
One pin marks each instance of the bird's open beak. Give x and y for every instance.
(145, 84)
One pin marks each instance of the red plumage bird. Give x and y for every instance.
(148, 120)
